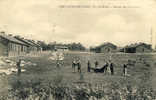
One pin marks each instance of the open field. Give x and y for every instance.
(42, 79)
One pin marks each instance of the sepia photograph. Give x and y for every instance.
(77, 49)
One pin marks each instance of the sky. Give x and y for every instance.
(45, 20)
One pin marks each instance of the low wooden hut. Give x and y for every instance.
(10, 46)
(138, 48)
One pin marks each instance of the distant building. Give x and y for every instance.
(31, 46)
(38, 48)
(25, 41)
(61, 48)
(106, 48)
(138, 48)
(10, 46)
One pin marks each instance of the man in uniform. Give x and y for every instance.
(112, 68)
(106, 66)
(96, 64)
(79, 65)
(89, 66)
(19, 67)
(125, 69)
(74, 64)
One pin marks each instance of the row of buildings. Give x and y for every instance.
(16, 45)
(133, 48)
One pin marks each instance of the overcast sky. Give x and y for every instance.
(44, 20)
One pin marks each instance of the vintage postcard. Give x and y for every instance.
(77, 49)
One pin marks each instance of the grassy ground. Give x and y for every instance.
(45, 72)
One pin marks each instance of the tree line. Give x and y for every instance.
(71, 46)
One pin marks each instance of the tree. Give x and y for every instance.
(43, 45)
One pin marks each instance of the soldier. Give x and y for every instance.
(96, 64)
(106, 66)
(125, 69)
(19, 67)
(112, 68)
(58, 64)
(74, 64)
(89, 66)
(79, 65)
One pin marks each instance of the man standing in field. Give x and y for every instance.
(108, 68)
(58, 64)
(96, 64)
(125, 69)
(79, 65)
(19, 67)
(112, 68)
(105, 69)
(74, 64)
(89, 66)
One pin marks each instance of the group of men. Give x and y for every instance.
(76, 63)
(107, 68)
